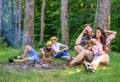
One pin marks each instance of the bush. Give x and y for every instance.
(2, 44)
(115, 44)
(37, 45)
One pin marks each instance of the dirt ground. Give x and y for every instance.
(28, 66)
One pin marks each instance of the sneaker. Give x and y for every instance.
(19, 57)
(68, 58)
(91, 69)
(86, 64)
(14, 57)
(68, 65)
(79, 63)
(10, 60)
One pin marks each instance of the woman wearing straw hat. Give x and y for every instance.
(60, 53)
(47, 52)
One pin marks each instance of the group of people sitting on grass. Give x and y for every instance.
(91, 48)
(52, 49)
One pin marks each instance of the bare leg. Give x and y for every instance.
(26, 50)
(21, 60)
(78, 58)
(78, 49)
(103, 59)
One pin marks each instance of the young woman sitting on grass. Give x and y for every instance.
(103, 58)
(60, 53)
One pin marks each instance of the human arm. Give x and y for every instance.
(111, 32)
(78, 40)
(112, 35)
(80, 37)
(58, 47)
(98, 47)
(65, 47)
(51, 53)
(42, 52)
(87, 47)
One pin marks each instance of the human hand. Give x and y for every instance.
(90, 42)
(101, 52)
(107, 49)
(41, 49)
(85, 30)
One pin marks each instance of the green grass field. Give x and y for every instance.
(111, 73)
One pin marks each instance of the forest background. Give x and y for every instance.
(24, 21)
(80, 12)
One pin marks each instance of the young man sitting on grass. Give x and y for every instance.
(47, 53)
(33, 55)
(85, 35)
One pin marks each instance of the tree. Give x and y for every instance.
(18, 28)
(29, 20)
(102, 18)
(42, 21)
(0, 16)
(64, 22)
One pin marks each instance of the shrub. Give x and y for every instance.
(115, 44)
(3, 44)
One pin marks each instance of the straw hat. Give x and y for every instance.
(48, 43)
(53, 38)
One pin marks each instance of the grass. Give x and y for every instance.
(111, 73)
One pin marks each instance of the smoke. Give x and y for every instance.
(9, 23)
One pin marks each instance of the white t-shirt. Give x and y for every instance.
(56, 46)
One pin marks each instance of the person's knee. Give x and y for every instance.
(28, 47)
(106, 61)
(75, 48)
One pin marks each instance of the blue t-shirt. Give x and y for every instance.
(84, 38)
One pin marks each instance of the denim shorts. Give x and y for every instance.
(34, 58)
(63, 53)
(33, 55)
(96, 55)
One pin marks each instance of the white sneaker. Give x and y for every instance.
(86, 64)
(68, 58)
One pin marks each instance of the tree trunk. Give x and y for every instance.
(0, 16)
(29, 20)
(13, 24)
(42, 21)
(18, 31)
(64, 22)
(102, 18)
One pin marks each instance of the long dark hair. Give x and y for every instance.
(103, 37)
